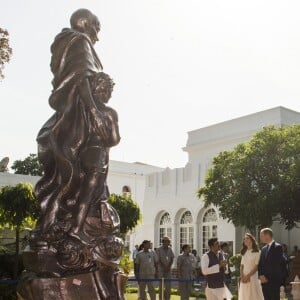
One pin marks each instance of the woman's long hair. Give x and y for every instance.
(254, 244)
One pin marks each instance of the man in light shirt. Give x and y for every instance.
(165, 260)
(135, 252)
(213, 265)
(185, 270)
(146, 261)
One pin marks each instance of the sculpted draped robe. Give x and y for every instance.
(67, 133)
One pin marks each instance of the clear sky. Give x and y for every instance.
(177, 65)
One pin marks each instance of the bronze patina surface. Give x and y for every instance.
(74, 250)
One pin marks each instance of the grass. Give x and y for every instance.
(134, 296)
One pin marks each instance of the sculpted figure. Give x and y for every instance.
(74, 143)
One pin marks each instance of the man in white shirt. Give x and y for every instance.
(213, 265)
(135, 252)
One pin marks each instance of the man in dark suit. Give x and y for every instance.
(271, 266)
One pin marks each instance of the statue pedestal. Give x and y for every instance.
(83, 286)
(71, 274)
(80, 286)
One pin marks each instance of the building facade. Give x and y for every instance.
(171, 203)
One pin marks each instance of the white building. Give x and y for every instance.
(171, 206)
(167, 197)
(122, 178)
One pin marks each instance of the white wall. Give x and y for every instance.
(174, 191)
(13, 179)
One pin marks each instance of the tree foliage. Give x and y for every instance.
(29, 166)
(18, 210)
(128, 211)
(18, 206)
(258, 180)
(5, 50)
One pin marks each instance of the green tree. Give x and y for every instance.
(18, 210)
(128, 211)
(258, 180)
(5, 50)
(29, 166)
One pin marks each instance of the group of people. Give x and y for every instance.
(149, 264)
(262, 272)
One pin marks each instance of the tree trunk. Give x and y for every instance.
(16, 262)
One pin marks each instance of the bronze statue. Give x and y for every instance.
(76, 234)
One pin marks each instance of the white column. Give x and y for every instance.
(196, 238)
(174, 239)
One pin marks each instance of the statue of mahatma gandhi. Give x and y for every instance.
(74, 250)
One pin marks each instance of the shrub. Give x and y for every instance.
(235, 261)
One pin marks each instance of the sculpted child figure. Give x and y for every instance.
(94, 160)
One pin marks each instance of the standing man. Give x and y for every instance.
(134, 255)
(227, 272)
(197, 264)
(135, 252)
(213, 265)
(271, 267)
(146, 262)
(165, 260)
(185, 270)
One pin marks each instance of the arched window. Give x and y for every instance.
(209, 228)
(165, 227)
(126, 191)
(186, 230)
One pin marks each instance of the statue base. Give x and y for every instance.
(67, 269)
(80, 286)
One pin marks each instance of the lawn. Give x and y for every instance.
(134, 296)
